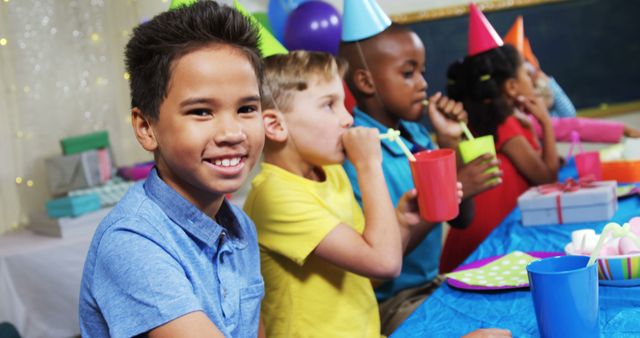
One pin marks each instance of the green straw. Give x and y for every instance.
(463, 125)
(616, 231)
(466, 131)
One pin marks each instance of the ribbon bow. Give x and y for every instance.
(568, 186)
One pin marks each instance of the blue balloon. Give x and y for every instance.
(314, 25)
(278, 11)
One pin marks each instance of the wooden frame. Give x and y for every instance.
(458, 10)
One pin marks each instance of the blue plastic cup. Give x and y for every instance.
(565, 296)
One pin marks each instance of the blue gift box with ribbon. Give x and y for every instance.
(570, 202)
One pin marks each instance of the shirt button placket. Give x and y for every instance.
(224, 276)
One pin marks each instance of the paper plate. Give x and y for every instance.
(482, 262)
(627, 190)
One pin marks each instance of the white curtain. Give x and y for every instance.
(62, 74)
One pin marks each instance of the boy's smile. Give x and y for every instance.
(209, 132)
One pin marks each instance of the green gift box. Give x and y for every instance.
(81, 143)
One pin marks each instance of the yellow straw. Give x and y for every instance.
(616, 231)
(394, 136)
(466, 131)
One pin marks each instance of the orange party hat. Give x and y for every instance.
(528, 54)
(515, 35)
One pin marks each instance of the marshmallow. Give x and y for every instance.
(634, 224)
(589, 242)
(578, 238)
(611, 248)
(627, 246)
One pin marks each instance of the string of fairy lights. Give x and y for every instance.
(62, 75)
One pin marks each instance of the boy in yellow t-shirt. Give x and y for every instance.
(318, 250)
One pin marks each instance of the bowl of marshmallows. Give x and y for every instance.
(618, 259)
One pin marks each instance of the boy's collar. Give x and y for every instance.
(365, 120)
(192, 219)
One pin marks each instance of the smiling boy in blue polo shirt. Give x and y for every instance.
(174, 258)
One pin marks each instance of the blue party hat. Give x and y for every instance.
(362, 19)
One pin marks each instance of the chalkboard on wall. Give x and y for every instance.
(591, 47)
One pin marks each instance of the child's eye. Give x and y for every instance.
(200, 112)
(407, 75)
(329, 105)
(247, 109)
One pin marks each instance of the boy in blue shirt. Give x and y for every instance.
(386, 78)
(174, 258)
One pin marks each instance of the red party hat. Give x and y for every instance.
(482, 36)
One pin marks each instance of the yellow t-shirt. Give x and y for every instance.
(305, 296)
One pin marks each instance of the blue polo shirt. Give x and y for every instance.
(420, 266)
(156, 257)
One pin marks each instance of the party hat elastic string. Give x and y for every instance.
(616, 231)
(393, 135)
(366, 66)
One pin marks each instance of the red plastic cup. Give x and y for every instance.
(434, 175)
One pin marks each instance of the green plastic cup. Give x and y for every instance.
(472, 149)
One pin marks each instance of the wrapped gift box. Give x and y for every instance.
(136, 172)
(73, 206)
(109, 193)
(71, 172)
(567, 203)
(67, 226)
(82, 143)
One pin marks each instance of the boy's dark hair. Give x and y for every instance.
(359, 54)
(156, 44)
(478, 83)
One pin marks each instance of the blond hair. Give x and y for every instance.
(284, 74)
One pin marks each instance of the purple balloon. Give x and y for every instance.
(314, 25)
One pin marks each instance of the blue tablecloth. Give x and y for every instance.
(450, 312)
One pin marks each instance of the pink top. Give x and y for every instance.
(590, 130)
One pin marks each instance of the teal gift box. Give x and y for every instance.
(86, 142)
(72, 206)
(109, 193)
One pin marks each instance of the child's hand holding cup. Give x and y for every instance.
(476, 147)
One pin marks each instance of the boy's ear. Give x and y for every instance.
(143, 130)
(363, 81)
(275, 127)
(511, 88)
